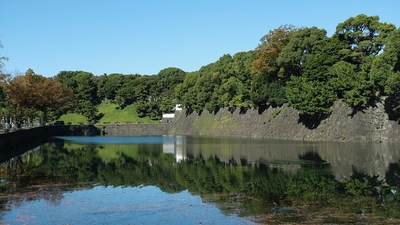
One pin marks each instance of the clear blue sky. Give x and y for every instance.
(132, 36)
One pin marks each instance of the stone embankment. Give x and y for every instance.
(369, 125)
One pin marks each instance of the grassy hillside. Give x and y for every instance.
(73, 118)
(111, 114)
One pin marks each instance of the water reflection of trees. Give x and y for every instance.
(253, 187)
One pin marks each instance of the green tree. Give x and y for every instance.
(265, 91)
(108, 85)
(228, 90)
(132, 90)
(86, 94)
(386, 66)
(185, 93)
(295, 54)
(364, 38)
(350, 84)
(166, 82)
(310, 97)
(205, 87)
(325, 54)
(168, 78)
(267, 87)
(241, 67)
(363, 35)
(84, 88)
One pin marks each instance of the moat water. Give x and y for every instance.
(200, 180)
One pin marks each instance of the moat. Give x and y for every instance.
(200, 180)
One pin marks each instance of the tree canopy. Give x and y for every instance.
(32, 94)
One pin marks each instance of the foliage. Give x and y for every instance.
(32, 94)
(386, 66)
(353, 86)
(108, 85)
(85, 91)
(295, 54)
(310, 97)
(152, 95)
(270, 48)
(264, 91)
(224, 83)
(364, 36)
(165, 83)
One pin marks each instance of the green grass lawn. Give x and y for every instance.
(111, 114)
(72, 118)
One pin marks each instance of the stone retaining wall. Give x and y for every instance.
(368, 125)
(135, 129)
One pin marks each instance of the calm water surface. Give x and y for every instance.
(199, 180)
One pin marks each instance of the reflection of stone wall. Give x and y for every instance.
(369, 159)
(344, 158)
(369, 125)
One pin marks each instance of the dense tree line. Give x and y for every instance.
(302, 67)
(152, 95)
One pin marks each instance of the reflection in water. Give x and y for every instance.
(267, 181)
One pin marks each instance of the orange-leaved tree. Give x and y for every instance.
(32, 95)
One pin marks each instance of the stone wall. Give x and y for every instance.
(135, 129)
(369, 125)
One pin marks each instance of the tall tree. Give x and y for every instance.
(385, 70)
(303, 44)
(364, 36)
(32, 93)
(166, 81)
(185, 93)
(268, 51)
(84, 88)
(267, 86)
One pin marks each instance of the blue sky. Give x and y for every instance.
(144, 37)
